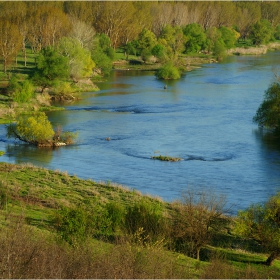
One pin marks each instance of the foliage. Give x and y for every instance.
(196, 219)
(51, 66)
(267, 114)
(261, 222)
(166, 158)
(277, 32)
(147, 40)
(102, 61)
(22, 92)
(31, 128)
(261, 32)
(160, 52)
(72, 224)
(80, 62)
(147, 216)
(196, 38)
(229, 36)
(219, 49)
(168, 72)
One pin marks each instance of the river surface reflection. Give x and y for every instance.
(204, 118)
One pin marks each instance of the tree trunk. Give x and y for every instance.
(197, 254)
(271, 258)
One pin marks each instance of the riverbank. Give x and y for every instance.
(33, 200)
(191, 62)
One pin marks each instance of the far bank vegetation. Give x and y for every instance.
(52, 50)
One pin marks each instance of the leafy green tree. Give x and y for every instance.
(147, 40)
(160, 52)
(219, 49)
(33, 128)
(261, 32)
(213, 34)
(80, 62)
(261, 222)
(102, 61)
(168, 72)
(24, 92)
(174, 39)
(196, 37)
(51, 66)
(229, 36)
(277, 32)
(268, 113)
(131, 48)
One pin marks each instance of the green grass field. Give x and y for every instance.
(37, 194)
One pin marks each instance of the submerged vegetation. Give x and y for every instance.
(166, 158)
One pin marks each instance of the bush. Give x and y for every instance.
(22, 91)
(31, 128)
(72, 225)
(168, 72)
(147, 216)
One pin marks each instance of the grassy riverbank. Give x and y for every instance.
(34, 245)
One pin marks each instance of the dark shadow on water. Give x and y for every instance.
(269, 139)
(23, 153)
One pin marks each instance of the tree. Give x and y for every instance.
(268, 113)
(168, 72)
(34, 129)
(248, 13)
(147, 39)
(114, 19)
(82, 32)
(196, 37)
(261, 222)
(197, 218)
(229, 36)
(51, 66)
(46, 26)
(261, 32)
(174, 38)
(10, 41)
(80, 63)
(21, 91)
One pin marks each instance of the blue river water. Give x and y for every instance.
(204, 118)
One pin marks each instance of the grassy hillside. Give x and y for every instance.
(35, 244)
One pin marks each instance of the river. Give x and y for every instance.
(204, 118)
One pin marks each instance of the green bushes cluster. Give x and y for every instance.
(22, 92)
(168, 72)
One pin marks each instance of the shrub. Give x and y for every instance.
(72, 224)
(168, 72)
(22, 91)
(147, 216)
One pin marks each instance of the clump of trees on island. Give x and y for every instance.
(37, 130)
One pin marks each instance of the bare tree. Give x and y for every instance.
(82, 32)
(198, 216)
(10, 41)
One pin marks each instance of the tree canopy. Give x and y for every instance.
(261, 222)
(268, 113)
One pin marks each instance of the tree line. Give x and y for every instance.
(157, 28)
